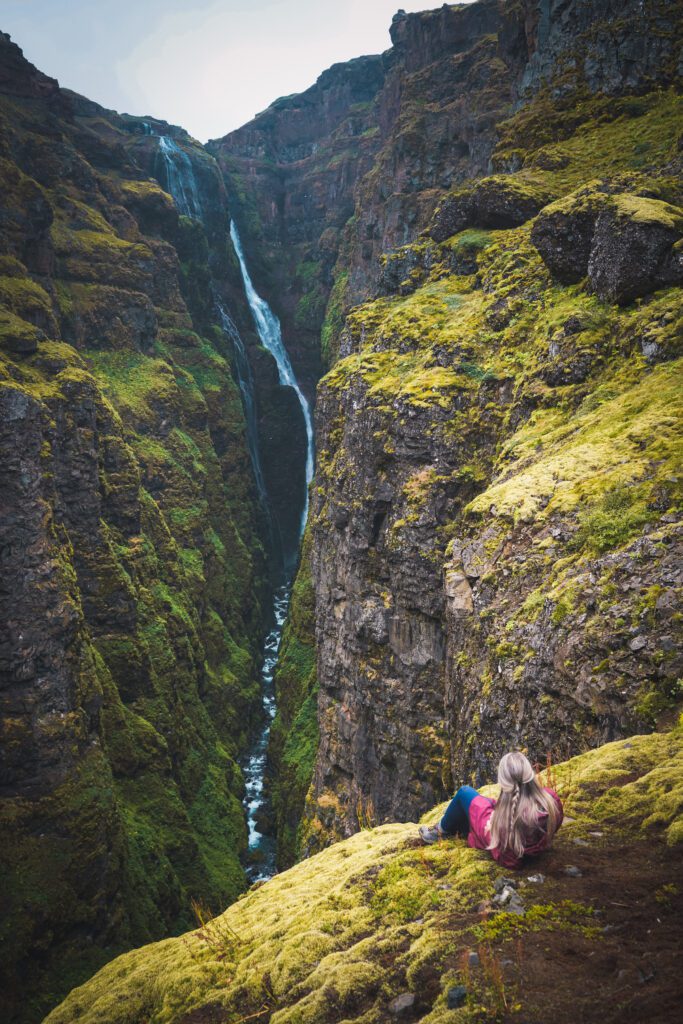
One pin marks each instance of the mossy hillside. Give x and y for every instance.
(377, 915)
(153, 660)
(294, 734)
(149, 567)
(551, 422)
(565, 142)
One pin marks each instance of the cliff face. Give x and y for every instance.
(492, 564)
(132, 563)
(493, 551)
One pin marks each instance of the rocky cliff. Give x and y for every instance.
(479, 235)
(133, 543)
(494, 529)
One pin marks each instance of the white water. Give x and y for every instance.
(268, 327)
(180, 177)
(262, 847)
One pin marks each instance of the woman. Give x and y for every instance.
(522, 822)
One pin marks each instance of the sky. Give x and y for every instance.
(208, 65)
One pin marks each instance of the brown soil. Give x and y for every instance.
(631, 973)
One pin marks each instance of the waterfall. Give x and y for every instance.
(180, 180)
(268, 328)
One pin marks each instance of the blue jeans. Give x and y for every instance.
(456, 820)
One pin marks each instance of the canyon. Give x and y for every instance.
(339, 455)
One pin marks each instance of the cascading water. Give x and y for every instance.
(261, 846)
(180, 180)
(268, 328)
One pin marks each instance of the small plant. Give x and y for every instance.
(213, 933)
(365, 814)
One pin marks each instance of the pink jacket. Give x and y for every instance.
(480, 813)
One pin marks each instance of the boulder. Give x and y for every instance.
(636, 248)
(498, 201)
(627, 245)
(563, 233)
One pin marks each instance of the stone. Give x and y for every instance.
(572, 871)
(456, 997)
(473, 959)
(632, 251)
(638, 643)
(537, 879)
(402, 1004)
(563, 233)
(495, 202)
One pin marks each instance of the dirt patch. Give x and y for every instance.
(619, 964)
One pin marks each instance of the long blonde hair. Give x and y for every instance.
(516, 818)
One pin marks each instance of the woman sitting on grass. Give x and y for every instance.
(521, 823)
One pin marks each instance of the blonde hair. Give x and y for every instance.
(516, 820)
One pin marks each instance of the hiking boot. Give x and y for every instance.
(431, 833)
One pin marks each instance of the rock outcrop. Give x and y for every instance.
(133, 568)
(495, 521)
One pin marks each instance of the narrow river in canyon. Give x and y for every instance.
(261, 846)
(180, 182)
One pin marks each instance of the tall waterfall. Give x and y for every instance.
(180, 182)
(268, 327)
(180, 177)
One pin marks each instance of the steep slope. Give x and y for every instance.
(133, 572)
(379, 928)
(494, 530)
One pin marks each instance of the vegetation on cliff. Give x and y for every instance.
(378, 922)
(499, 451)
(133, 566)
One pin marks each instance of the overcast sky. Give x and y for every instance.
(208, 65)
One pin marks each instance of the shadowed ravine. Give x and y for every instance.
(180, 182)
(261, 845)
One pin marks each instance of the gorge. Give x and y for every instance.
(339, 455)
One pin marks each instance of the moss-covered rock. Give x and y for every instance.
(494, 202)
(133, 567)
(624, 241)
(343, 934)
(637, 248)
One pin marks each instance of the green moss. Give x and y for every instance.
(590, 457)
(374, 915)
(334, 319)
(16, 335)
(621, 513)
